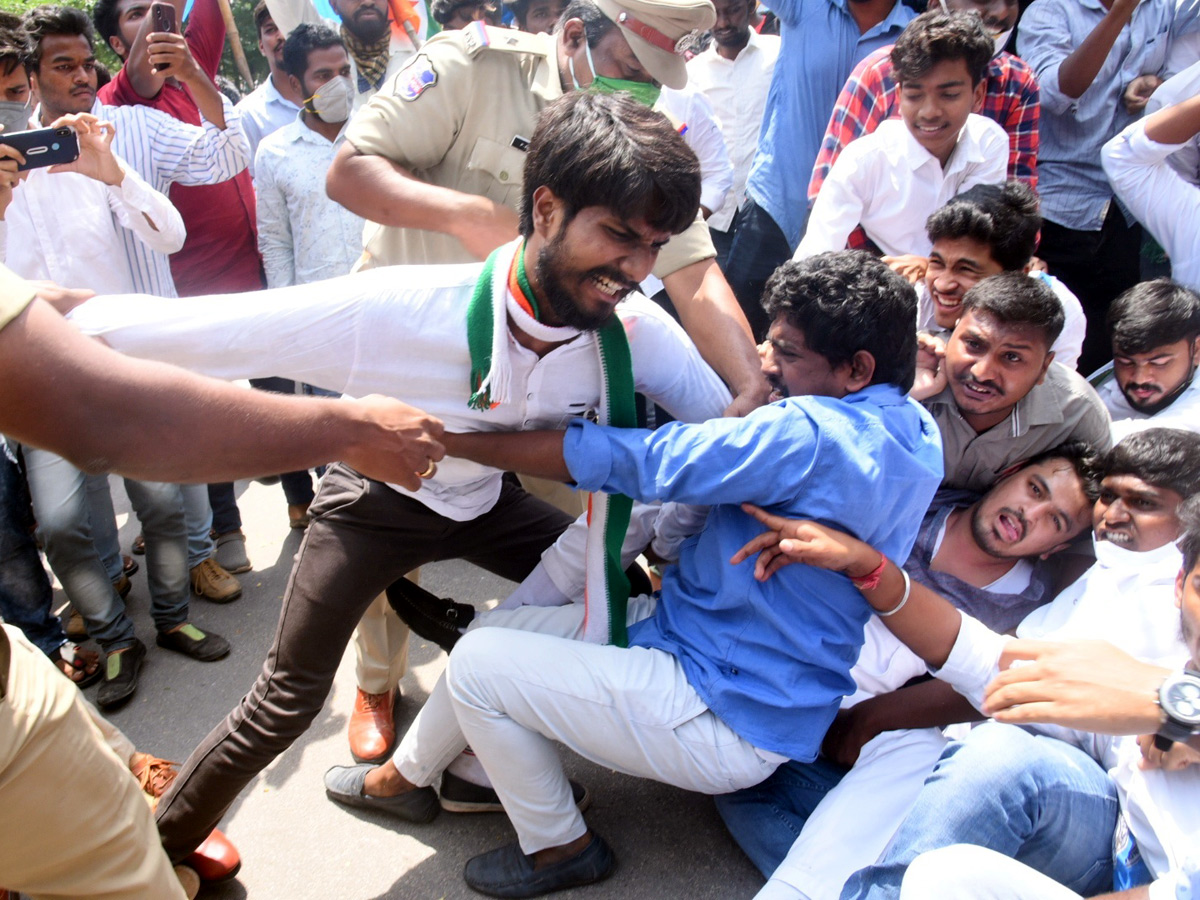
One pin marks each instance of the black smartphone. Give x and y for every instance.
(44, 146)
(162, 18)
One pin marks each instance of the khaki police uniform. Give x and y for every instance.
(460, 115)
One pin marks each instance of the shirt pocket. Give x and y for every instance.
(503, 167)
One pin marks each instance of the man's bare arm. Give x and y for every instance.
(1175, 124)
(538, 453)
(382, 191)
(108, 412)
(711, 316)
(1077, 72)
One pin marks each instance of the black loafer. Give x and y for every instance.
(507, 872)
(457, 795)
(344, 784)
(121, 670)
(434, 618)
(191, 641)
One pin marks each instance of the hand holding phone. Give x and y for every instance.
(162, 21)
(42, 147)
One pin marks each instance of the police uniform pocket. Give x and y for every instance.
(503, 165)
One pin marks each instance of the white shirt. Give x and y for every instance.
(401, 331)
(264, 111)
(1070, 342)
(737, 89)
(703, 134)
(890, 184)
(1175, 90)
(67, 228)
(1158, 197)
(302, 234)
(1183, 413)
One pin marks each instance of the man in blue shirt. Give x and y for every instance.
(822, 42)
(725, 676)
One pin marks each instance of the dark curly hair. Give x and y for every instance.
(56, 20)
(934, 37)
(1003, 216)
(846, 301)
(1152, 314)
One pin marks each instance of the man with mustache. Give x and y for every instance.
(274, 103)
(520, 342)
(1002, 397)
(1155, 329)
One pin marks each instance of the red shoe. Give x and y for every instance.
(372, 728)
(215, 860)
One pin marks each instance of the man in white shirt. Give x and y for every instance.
(1155, 330)
(889, 181)
(1136, 163)
(735, 73)
(275, 102)
(473, 352)
(1043, 796)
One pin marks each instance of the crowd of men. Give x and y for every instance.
(828, 395)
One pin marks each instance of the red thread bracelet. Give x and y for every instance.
(870, 581)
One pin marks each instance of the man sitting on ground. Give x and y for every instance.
(1155, 329)
(722, 681)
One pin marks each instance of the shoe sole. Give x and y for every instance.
(198, 658)
(366, 803)
(229, 599)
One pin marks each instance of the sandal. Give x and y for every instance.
(139, 546)
(81, 666)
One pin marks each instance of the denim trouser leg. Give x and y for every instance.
(104, 527)
(1039, 800)
(297, 486)
(159, 507)
(198, 517)
(25, 595)
(225, 514)
(766, 819)
(59, 493)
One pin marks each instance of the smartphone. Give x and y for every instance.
(162, 18)
(44, 146)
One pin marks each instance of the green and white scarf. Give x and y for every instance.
(606, 589)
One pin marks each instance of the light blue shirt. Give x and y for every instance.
(1074, 190)
(771, 659)
(264, 111)
(820, 47)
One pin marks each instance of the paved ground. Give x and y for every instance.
(297, 845)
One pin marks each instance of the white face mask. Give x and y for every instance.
(334, 100)
(14, 116)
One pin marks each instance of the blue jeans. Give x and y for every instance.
(59, 492)
(25, 596)
(766, 819)
(759, 247)
(1039, 800)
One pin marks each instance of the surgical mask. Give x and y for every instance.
(642, 91)
(334, 100)
(14, 116)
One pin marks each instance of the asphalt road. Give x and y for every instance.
(297, 845)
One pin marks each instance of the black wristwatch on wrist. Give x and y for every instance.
(1179, 700)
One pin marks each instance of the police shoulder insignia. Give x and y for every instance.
(414, 78)
(476, 37)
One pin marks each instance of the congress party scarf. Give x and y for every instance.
(607, 587)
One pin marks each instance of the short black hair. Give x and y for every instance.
(845, 301)
(934, 37)
(304, 39)
(1189, 542)
(1003, 216)
(43, 21)
(1164, 457)
(106, 19)
(1013, 298)
(610, 150)
(15, 49)
(595, 23)
(1152, 314)
(1084, 459)
(262, 15)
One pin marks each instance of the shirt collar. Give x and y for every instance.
(1038, 407)
(273, 95)
(966, 150)
(302, 133)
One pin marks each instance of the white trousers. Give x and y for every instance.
(73, 821)
(511, 694)
(967, 872)
(852, 825)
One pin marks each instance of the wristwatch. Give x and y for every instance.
(1179, 700)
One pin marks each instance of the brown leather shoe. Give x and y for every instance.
(372, 727)
(298, 515)
(216, 860)
(154, 775)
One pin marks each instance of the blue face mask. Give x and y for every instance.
(644, 92)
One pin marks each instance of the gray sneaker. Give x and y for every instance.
(344, 784)
(231, 552)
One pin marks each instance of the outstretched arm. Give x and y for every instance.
(538, 453)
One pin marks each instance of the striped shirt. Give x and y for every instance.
(165, 151)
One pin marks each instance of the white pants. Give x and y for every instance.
(512, 693)
(967, 872)
(73, 821)
(852, 825)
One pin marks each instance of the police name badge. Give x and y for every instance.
(415, 78)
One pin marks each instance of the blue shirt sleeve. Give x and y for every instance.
(757, 459)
